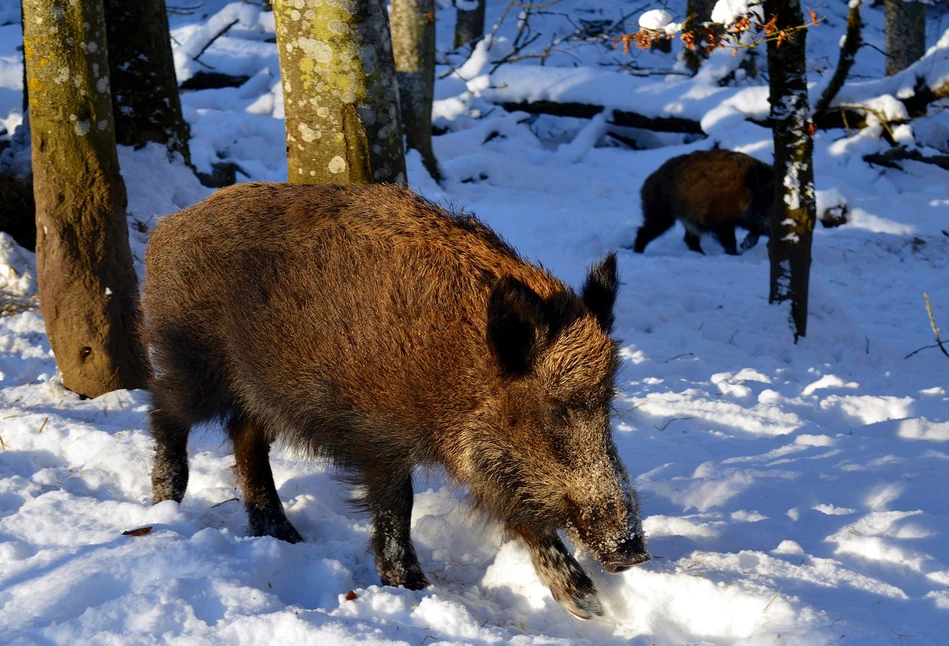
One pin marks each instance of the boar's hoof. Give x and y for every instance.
(410, 578)
(583, 604)
(280, 529)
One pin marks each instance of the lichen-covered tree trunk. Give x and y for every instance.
(340, 95)
(905, 34)
(88, 289)
(697, 12)
(795, 208)
(469, 21)
(145, 101)
(413, 39)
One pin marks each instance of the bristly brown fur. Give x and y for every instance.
(370, 326)
(709, 191)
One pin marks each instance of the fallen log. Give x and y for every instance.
(621, 118)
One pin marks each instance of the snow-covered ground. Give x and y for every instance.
(792, 494)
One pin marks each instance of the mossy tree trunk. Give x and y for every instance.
(88, 289)
(795, 208)
(340, 95)
(905, 34)
(469, 22)
(145, 101)
(413, 39)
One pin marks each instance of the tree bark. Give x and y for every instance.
(853, 41)
(469, 24)
(795, 206)
(905, 34)
(413, 39)
(145, 101)
(340, 95)
(88, 289)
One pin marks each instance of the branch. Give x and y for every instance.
(892, 157)
(848, 52)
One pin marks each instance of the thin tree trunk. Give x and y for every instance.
(88, 289)
(905, 34)
(795, 208)
(413, 39)
(340, 95)
(469, 24)
(697, 12)
(853, 41)
(146, 106)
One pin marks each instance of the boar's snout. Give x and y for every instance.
(630, 552)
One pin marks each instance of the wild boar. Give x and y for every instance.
(708, 191)
(369, 326)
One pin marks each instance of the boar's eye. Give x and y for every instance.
(568, 415)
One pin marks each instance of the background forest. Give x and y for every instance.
(792, 484)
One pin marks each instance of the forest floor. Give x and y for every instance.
(791, 493)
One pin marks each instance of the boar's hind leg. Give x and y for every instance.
(252, 453)
(651, 229)
(390, 502)
(170, 473)
(750, 241)
(726, 235)
(559, 571)
(692, 241)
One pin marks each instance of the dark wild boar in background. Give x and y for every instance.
(708, 191)
(370, 327)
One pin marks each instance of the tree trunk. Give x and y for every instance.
(145, 101)
(469, 24)
(698, 12)
(88, 289)
(413, 39)
(795, 208)
(905, 34)
(340, 95)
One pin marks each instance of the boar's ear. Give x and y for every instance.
(599, 291)
(515, 312)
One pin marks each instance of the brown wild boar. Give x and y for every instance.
(370, 327)
(708, 191)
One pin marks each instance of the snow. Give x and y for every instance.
(791, 493)
(655, 19)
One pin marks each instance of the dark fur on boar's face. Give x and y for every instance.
(368, 326)
(708, 191)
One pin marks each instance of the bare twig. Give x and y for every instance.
(669, 421)
(776, 595)
(213, 38)
(183, 11)
(42, 426)
(932, 322)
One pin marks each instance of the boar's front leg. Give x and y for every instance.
(264, 510)
(389, 499)
(726, 235)
(559, 571)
